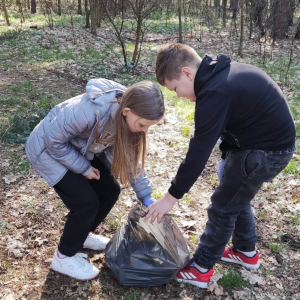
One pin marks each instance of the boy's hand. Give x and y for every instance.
(160, 207)
(95, 174)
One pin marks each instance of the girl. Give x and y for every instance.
(81, 147)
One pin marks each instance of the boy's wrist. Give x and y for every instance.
(170, 198)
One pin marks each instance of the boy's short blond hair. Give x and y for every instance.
(172, 58)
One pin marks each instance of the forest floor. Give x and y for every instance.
(32, 216)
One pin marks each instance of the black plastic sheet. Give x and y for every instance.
(145, 254)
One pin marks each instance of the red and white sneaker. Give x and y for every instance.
(234, 256)
(192, 275)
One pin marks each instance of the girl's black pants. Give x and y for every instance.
(89, 202)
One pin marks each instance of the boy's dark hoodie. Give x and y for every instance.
(239, 103)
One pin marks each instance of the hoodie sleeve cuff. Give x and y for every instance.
(175, 193)
(88, 171)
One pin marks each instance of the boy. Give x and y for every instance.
(246, 108)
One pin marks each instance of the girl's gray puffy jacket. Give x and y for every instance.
(60, 141)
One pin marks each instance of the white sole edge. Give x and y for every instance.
(202, 285)
(249, 266)
(74, 277)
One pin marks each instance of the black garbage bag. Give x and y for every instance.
(145, 254)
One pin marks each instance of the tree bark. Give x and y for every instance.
(5, 13)
(282, 16)
(224, 5)
(93, 10)
(240, 52)
(79, 8)
(33, 6)
(59, 7)
(137, 40)
(234, 4)
(180, 21)
(87, 14)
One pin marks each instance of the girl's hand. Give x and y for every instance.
(95, 174)
(160, 207)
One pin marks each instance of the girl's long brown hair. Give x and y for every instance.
(145, 99)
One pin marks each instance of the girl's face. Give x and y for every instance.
(135, 123)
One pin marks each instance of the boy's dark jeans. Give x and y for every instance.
(230, 213)
(89, 202)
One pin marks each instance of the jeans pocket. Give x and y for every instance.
(252, 161)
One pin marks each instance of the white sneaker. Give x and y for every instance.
(75, 266)
(95, 242)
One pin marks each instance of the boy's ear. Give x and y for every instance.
(125, 111)
(187, 72)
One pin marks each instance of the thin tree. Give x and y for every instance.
(5, 13)
(79, 8)
(141, 9)
(224, 5)
(59, 7)
(33, 7)
(180, 20)
(240, 52)
(87, 14)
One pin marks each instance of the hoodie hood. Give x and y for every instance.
(103, 89)
(102, 93)
(209, 67)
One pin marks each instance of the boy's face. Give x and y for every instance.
(184, 85)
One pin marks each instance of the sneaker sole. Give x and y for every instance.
(249, 266)
(94, 248)
(202, 285)
(73, 276)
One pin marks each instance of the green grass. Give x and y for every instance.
(275, 247)
(296, 220)
(232, 279)
(293, 168)
(3, 225)
(114, 223)
(156, 194)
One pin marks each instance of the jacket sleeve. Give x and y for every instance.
(69, 123)
(141, 185)
(212, 110)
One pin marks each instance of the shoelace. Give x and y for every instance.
(80, 258)
(94, 236)
(232, 249)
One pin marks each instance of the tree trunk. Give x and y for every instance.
(33, 6)
(28, 4)
(234, 4)
(180, 21)
(240, 52)
(218, 7)
(224, 5)
(93, 9)
(5, 13)
(258, 7)
(87, 14)
(297, 35)
(79, 8)
(282, 11)
(138, 35)
(59, 7)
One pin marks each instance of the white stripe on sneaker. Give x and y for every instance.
(182, 274)
(193, 276)
(239, 259)
(187, 275)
